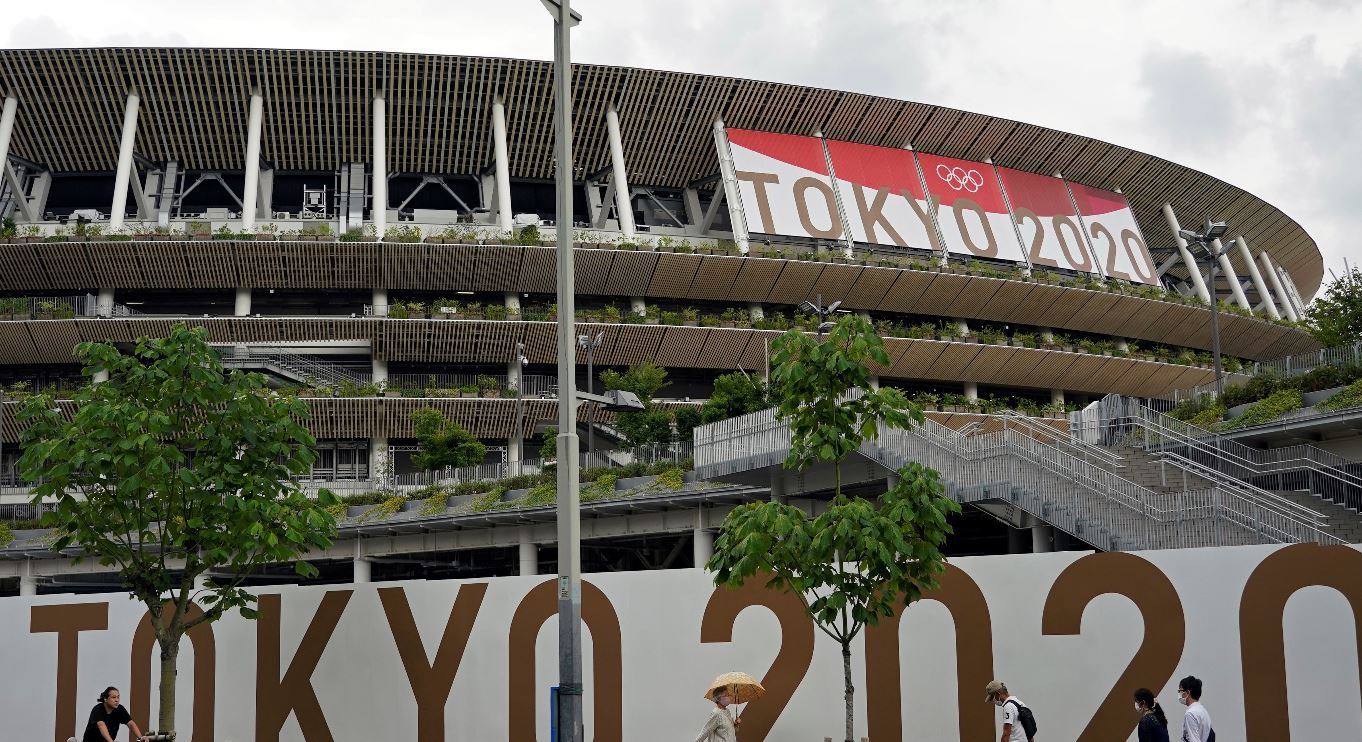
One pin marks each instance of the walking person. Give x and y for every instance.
(721, 726)
(1196, 725)
(1019, 724)
(1153, 726)
(107, 716)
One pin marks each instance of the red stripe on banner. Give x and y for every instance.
(952, 179)
(1095, 201)
(1043, 195)
(875, 167)
(803, 152)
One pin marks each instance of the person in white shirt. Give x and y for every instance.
(1196, 725)
(996, 694)
(721, 726)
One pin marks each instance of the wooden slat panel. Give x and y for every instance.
(673, 275)
(714, 280)
(755, 279)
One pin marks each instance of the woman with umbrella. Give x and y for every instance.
(728, 689)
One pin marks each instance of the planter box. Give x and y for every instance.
(491, 394)
(691, 323)
(393, 394)
(468, 395)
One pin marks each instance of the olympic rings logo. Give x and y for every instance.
(960, 179)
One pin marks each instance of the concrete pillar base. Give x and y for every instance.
(529, 559)
(972, 391)
(703, 547)
(363, 570)
(1041, 539)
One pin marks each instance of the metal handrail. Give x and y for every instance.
(1063, 438)
(1248, 491)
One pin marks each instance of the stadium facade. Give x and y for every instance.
(366, 226)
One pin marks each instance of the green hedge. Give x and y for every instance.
(1266, 410)
(1349, 397)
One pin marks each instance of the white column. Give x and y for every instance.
(1040, 539)
(363, 570)
(243, 302)
(380, 302)
(755, 309)
(1227, 268)
(503, 167)
(6, 131)
(972, 391)
(1293, 294)
(378, 458)
(1056, 396)
(104, 303)
(703, 542)
(638, 305)
(250, 191)
(512, 303)
(1256, 277)
(28, 586)
(730, 179)
(529, 558)
(1047, 335)
(120, 194)
(624, 205)
(379, 207)
(1277, 288)
(380, 371)
(962, 327)
(1187, 258)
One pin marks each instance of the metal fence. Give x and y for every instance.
(1293, 365)
(60, 307)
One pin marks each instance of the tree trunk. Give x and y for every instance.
(170, 654)
(850, 689)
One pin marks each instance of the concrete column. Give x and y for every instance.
(972, 391)
(874, 382)
(1040, 539)
(512, 303)
(378, 209)
(755, 309)
(1292, 293)
(28, 584)
(962, 326)
(1197, 281)
(380, 302)
(7, 113)
(243, 302)
(777, 484)
(378, 458)
(1122, 344)
(1278, 290)
(1047, 335)
(624, 204)
(1056, 396)
(120, 194)
(1227, 269)
(1256, 277)
(250, 191)
(104, 303)
(529, 558)
(363, 570)
(703, 544)
(503, 167)
(380, 371)
(638, 305)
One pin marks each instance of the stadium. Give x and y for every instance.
(372, 232)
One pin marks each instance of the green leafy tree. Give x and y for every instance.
(734, 394)
(1336, 317)
(442, 443)
(652, 424)
(172, 470)
(861, 559)
(646, 380)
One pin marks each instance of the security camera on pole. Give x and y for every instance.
(1211, 232)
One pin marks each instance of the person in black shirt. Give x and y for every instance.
(107, 716)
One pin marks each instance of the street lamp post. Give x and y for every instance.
(824, 314)
(590, 344)
(519, 432)
(1211, 232)
(570, 719)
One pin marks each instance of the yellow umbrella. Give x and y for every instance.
(742, 687)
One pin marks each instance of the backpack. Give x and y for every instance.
(1027, 719)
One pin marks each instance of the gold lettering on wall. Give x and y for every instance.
(1261, 644)
(958, 592)
(431, 681)
(792, 661)
(872, 215)
(801, 194)
(538, 605)
(1164, 629)
(276, 698)
(205, 670)
(67, 621)
(759, 182)
(990, 248)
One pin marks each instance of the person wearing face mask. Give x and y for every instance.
(1196, 725)
(1019, 725)
(721, 726)
(1153, 725)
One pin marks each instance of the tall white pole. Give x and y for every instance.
(1277, 288)
(252, 186)
(1256, 277)
(379, 207)
(624, 204)
(1197, 281)
(7, 130)
(1227, 268)
(570, 720)
(503, 166)
(120, 194)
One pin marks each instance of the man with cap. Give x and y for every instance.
(996, 694)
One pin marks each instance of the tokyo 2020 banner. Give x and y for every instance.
(1272, 631)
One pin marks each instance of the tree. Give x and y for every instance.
(1336, 317)
(857, 561)
(172, 470)
(652, 424)
(442, 443)
(734, 394)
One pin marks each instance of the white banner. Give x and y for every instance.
(1115, 235)
(970, 210)
(1072, 634)
(784, 186)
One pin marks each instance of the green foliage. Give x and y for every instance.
(1266, 410)
(1335, 318)
(6, 535)
(434, 503)
(442, 443)
(390, 506)
(529, 235)
(734, 394)
(686, 418)
(671, 479)
(651, 424)
(548, 445)
(860, 560)
(1348, 398)
(1208, 417)
(540, 494)
(601, 488)
(645, 380)
(173, 460)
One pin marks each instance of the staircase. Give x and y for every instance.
(294, 367)
(1071, 483)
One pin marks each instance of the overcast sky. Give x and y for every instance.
(1265, 94)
